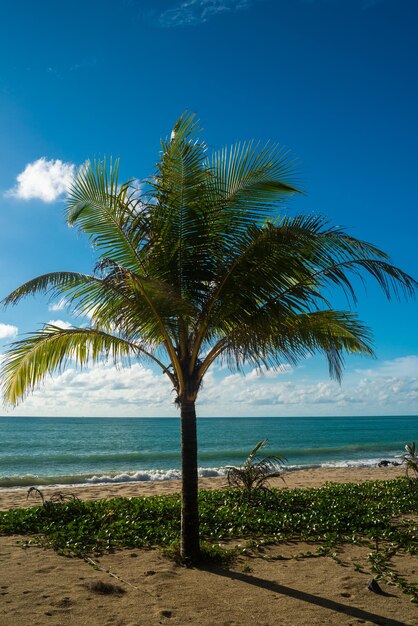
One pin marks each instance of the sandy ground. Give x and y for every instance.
(279, 586)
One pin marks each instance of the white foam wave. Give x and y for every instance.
(396, 460)
(154, 475)
(158, 475)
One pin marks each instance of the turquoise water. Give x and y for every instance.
(42, 451)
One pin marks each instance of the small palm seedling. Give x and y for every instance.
(410, 460)
(256, 472)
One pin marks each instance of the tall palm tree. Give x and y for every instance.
(200, 265)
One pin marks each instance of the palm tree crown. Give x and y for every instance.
(201, 264)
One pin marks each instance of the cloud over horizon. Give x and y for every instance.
(44, 180)
(105, 390)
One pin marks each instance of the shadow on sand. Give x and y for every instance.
(331, 605)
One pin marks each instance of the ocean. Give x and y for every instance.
(69, 451)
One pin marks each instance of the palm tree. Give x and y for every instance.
(410, 459)
(254, 475)
(200, 265)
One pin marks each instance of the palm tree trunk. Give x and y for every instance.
(189, 546)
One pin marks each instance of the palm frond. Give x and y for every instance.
(272, 340)
(55, 284)
(288, 268)
(255, 473)
(179, 231)
(49, 350)
(130, 312)
(101, 208)
(251, 179)
(247, 184)
(410, 460)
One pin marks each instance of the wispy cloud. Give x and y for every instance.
(44, 180)
(193, 12)
(60, 324)
(390, 387)
(84, 64)
(402, 367)
(7, 331)
(102, 390)
(58, 306)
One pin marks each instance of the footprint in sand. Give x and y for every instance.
(45, 570)
(64, 603)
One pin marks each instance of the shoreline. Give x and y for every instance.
(16, 497)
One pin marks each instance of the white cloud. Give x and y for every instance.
(60, 324)
(390, 387)
(402, 367)
(7, 330)
(103, 390)
(106, 390)
(44, 180)
(285, 368)
(58, 306)
(90, 313)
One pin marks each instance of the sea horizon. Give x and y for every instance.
(177, 417)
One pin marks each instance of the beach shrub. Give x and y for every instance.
(410, 459)
(256, 472)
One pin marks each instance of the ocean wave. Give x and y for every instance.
(155, 475)
(172, 457)
(103, 479)
(158, 475)
(358, 463)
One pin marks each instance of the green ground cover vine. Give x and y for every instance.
(335, 512)
(381, 514)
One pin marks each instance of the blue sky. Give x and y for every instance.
(332, 80)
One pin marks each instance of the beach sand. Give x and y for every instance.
(275, 587)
